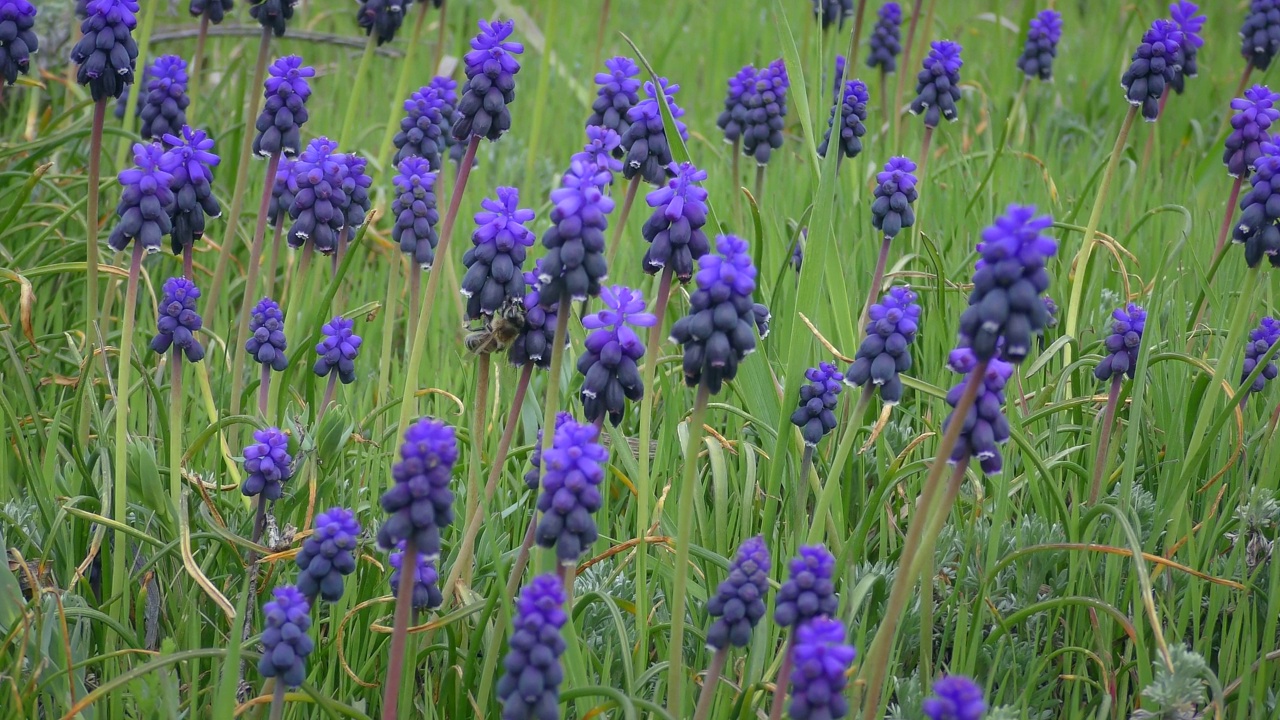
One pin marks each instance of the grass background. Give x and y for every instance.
(1038, 598)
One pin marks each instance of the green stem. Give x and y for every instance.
(922, 183)
(759, 184)
(91, 304)
(923, 567)
(708, 694)
(998, 150)
(877, 279)
(801, 494)
(251, 284)
(273, 262)
(389, 307)
(783, 679)
(837, 466)
(853, 41)
(404, 602)
(277, 702)
(474, 505)
(1100, 460)
(549, 27)
(616, 243)
(356, 92)
(193, 77)
(906, 70)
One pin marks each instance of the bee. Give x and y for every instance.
(500, 329)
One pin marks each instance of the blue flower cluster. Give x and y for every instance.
(1036, 60)
(381, 18)
(1260, 33)
(273, 15)
(266, 343)
(145, 200)
(285, 643)
(1184, 16)
(938, 84)
(163, 108)
(534, 474)
(674, 230)
(573, 468)
(319, 198)
(414, 209)
(420, 503)
(985, 427)
(1260, 210)
(328, 555)
(955, 698)
(529, 688)
(1154, 67)
(609, 363)
(816, 416)
(895, 194)
(426, 579)
(733, 119)
(716, 334)
(885, 38)
(337, 349)
(619, 92)
(216, 10)
(491, 68)
(853, 113)
(495, 263)
(1123, 343)
(193, 161)
(284, 108)
(821, 659)
(106, 52)
(1255, 113)
(539, 330)
(1260, 341)
(178, 320)
(645, 142)
(809, 591)
(885, 352)
(766, 102)
(739, 603)
(17, 27)
(574, 265)
(267, 464)
(424, 129)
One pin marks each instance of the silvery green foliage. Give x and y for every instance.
(1256, 516)
(1178, 694)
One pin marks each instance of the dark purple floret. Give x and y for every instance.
(853, 113)
(17, 38)
(1260, 33)
(838, 79)
(267, 464)
(491, 68)
(106, 52)
(328, 555)
(281, 192)
(955, 698)
(284, 108)
(1155, 65)
(821, 659)
(603, 149)
(319, 199)
(381, 18)
(420, 503)
(495, 263)
(830, 12)
(895, 194)
(145, 199)
(179, 320)
(529, 688)
(266, 343)
(1260, 341)
(1255, 113)
(355, 186)
(647, 147)
(163, 107)
(1260, 210)
(938, 84)
(733, 118)
(337, 349)
(766, 112)
(193, 163)
(216, 10)
(1008, 281)
(809, 591)
(985, 428)
(426, 581)
(885, 352)
(797, 250)
(414, 209)
(285, 644)
(885, 38)
(816, 414)
(534, 342)
(1184, 16)
(609, 363)
(273, 15)
(532, 477)
(574, 265)
(674, 230)
(739, 603)
(1036, 60)
(619, 92)
(572, 470)
(1051, 308)
(424, 129)
(1123, 343)
(717, 333)
(760, 317)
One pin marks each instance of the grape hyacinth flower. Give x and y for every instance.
(603, 149)
(281, 192)
(424, 129)
(267, 464)
(674, 230)
(1154, 67)
(193, 163)
(733, 119)
(885, 39)
(17, 23)
(574, 265)
(420, 504)
(610, 359)
(985, 427)
(1008, 281)
(1036, 60)
(531, 674)
(619, 92)
(1257, 228)
(647, 147)
(328, 555)
(1184, 16)
(1255, 113)
(272, 15)
(1260, 341)
(285, 644)
(491, 68)
(1051, 308)
(717, 333)
(1260, 33)
(821, 660)
(760, 317)
(816, 415)
(938, 84)
(494, 265)
(533, 343)
(426, 580)
(572, 470)
(284, 109)
(415, 211)
(1123, 343)
(955, 698)
(838, 79)
(853, 113)
(266, 343)
(895, 194)
(106, 52)
(766, 112)
(319, 199)
(382, 17)
(216, 10)
(163, 107)
(533, 475)
(355, 187)
(145, 200)
(830, 12)
(885, 351)
(179, 320)
(337, 349)
(739, 602)
(809, 591)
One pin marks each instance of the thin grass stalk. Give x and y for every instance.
(251, 283)
(832, 486)
(906, 70)
(604, 25)
(708, 695)
(736, 164)
(175, 430)
(389, 307)
(884, 100)
(193, 77)
(356, 90)
(404, 603)
(328, 396)
(925, 569)
(474, 504)
(877, 279)
(277, 702)
(1151, 136)
(684, 538)
(1228, 215)
(1108, 420)
(415, 297)
(441, 34)
(759, 191)
(264, 391)
(273, 261)
(999, 148)
(91, 240)
(1244, 79)
(783, 679)
(540, 103)
(188, 269)
(407, 67)
(801, 495)
(853, 40)
(616, 243)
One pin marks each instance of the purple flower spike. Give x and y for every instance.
(163, 107)
(328, 555)
(266, 341)
(1155, 66)
(885, 38)
(267, 464)
(145, 199)
(424, 129)
(573, 468)
(822, 660)
(1260, 33)
(216, 10)
(838, 77)
(619, 92)
(574, 265)
(1260, 210)
(284, 108)
(420, 503)
(609, 362)
(538, 334)
(179, 320)
(281, 194)
(1184, 16)
(985, 428)
(106, 52)
(647, 147)
(273, 15)
(603, 148)
(1036, 60)
(885, 352)
(739, 603)
(938, 84)
(674, 230)
(319, 197)
(532, 477)
(1051, 308)
(895, 194)
(853, 113)
(816, 415)
(766, 112)
(285, 644)
(338, 348)
(415, 211)
(426, 581)
(955, 698)
(355, 185)
(494, 265)
(531, 674)
(830, 12)
(193, 162)
(809, 591)
(491, 70)
(1260, 341)
(17, 23)
(733, 119)
(383, 17)
(1256, 112)
(1123, 343)
(717, 333)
